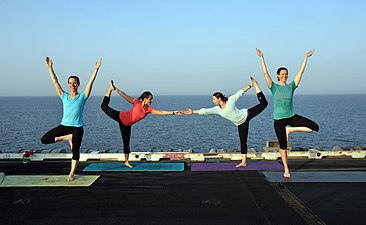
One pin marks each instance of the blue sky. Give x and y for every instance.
(186, 47)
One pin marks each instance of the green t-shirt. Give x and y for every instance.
(282, 100)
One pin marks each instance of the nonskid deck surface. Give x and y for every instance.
(184, 197)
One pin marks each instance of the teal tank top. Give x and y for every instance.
(73, 110)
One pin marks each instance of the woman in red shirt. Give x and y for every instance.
(140, 109)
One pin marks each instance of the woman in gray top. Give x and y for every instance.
(226, 108)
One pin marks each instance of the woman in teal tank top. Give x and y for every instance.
(71, 126)
(286, 121)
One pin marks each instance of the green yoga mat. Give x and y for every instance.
(46, 180)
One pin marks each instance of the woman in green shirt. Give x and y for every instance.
(286, 121)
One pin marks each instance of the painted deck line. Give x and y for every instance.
(318, 177)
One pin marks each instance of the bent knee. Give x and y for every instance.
(316, 128)
(45, 140)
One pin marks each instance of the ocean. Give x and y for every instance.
(24, 120)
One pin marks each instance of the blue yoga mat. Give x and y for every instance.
(148, 166)
(262, 165)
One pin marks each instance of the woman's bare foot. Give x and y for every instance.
(255, 85)
(128, 165)
(286, 175)
(70, 178)
(69, 139)
(242, 164)
(111, 85)
(288, 132)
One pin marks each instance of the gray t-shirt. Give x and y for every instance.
(235, 115)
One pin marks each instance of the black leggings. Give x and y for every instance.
(77, 136)
(125, 130)
(295, 121)
(244, 127)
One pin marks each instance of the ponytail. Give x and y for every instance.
(220, 95)
(146, 94)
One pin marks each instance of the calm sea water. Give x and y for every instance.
(24, 120)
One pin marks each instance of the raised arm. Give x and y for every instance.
(303, 66)
(249, 86)
(124, 95)
(264, 68)
(89, 86)
(54, 79)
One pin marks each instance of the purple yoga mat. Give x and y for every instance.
(273, 166)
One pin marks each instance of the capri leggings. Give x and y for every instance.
(125, 130)
(77, 136)
(244, 127)
(295, 121)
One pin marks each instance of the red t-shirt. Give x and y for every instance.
(136, 114)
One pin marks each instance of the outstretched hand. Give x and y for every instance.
(188, 112)
(310, 53)
(49, 61)
(98, 64)
(259, 53)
